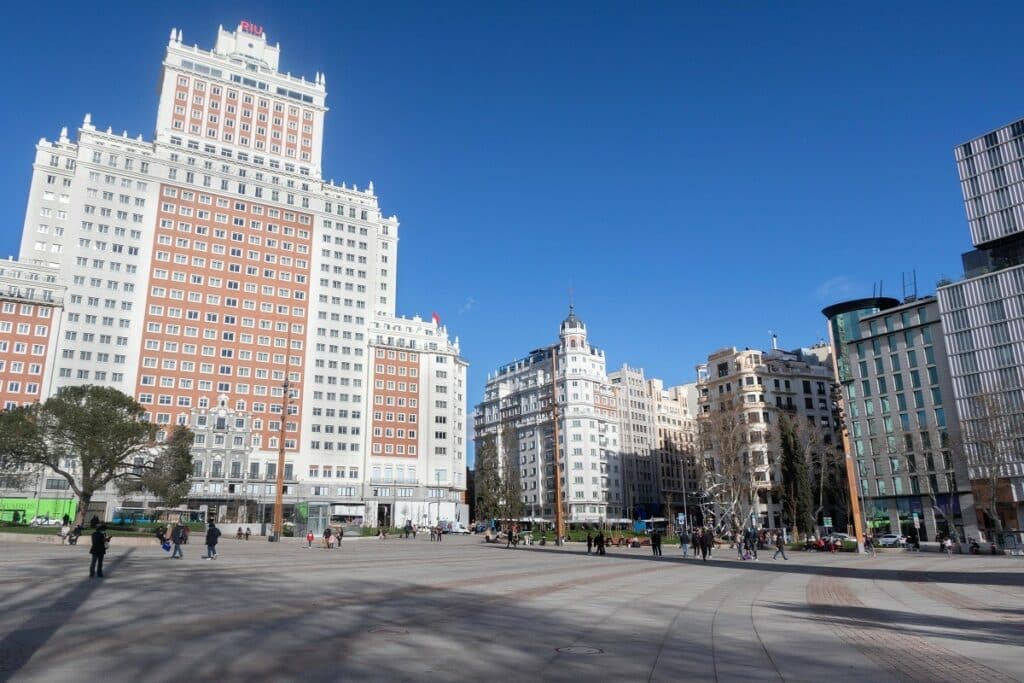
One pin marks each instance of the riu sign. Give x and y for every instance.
(249, 27)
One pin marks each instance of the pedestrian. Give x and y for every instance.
(947, 545)
(184, 535)
(327, 538)
(94, 522)
(248, 533)
(340, 533)
(656, 543)
(100, 541)
(65, 530)
(238, 535)
(599, 543)
(590, 542)
(212, 534)
(740, 544)
(176, 536)
(780, 547)
(705, 544)
(869, 545)
(415, 528)
(684, 542)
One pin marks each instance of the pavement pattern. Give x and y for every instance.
(463, 610)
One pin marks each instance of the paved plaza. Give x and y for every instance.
(461, 610)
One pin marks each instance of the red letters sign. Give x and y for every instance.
(249, 27)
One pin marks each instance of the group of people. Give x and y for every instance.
(179, 535)
(243, 534)
(332, 538)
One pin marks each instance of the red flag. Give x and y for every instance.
(436, 318)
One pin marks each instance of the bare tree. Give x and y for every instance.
(992, 440)
(729, 478)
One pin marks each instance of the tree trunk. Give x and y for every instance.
(84, 498)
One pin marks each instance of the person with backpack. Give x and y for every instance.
(212, 534)
(176, 538)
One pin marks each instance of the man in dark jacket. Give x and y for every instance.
(176, 538)
(599, 543)
(212, 534)
(656, 543)
(780, 546)
(98, 550)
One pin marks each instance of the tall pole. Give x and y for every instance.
(851, 475)
(279, 493)
(559, 521)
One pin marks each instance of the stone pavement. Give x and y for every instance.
(460, 610)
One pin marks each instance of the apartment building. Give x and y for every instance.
(212, 269)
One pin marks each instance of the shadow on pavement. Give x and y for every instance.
(22, 643)
(766, 564)
(910, 623)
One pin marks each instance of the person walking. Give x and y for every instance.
(656, 543)
(599, 543)
(684, 542)
(100, 540)
(869, 545)
(176, 535)
(327, 538)
(590, 542)
(947, 546)
(248, 533)
(212, 534)
(780, 547)
(705, 544)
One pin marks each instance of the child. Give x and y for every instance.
(309, 540)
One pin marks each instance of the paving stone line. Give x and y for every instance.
(910, 658)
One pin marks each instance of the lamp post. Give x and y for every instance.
(437, 479)
(559, 521)
(285, 397)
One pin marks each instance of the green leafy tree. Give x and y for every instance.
(93, 436)
(796, 440)
(487, 479)
(511, 497)
(166, 475)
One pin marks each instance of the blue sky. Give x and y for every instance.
(697, 173)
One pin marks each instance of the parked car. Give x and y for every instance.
(45, 521)
(456, 528)
(891, 541)
(839, 538)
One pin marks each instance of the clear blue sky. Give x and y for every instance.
(698, 173)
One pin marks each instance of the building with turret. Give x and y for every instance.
(212, 271)
(518, 396)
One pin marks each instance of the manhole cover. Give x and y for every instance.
(389, 630)
(579, 650)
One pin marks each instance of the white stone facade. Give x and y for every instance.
(212, 263)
